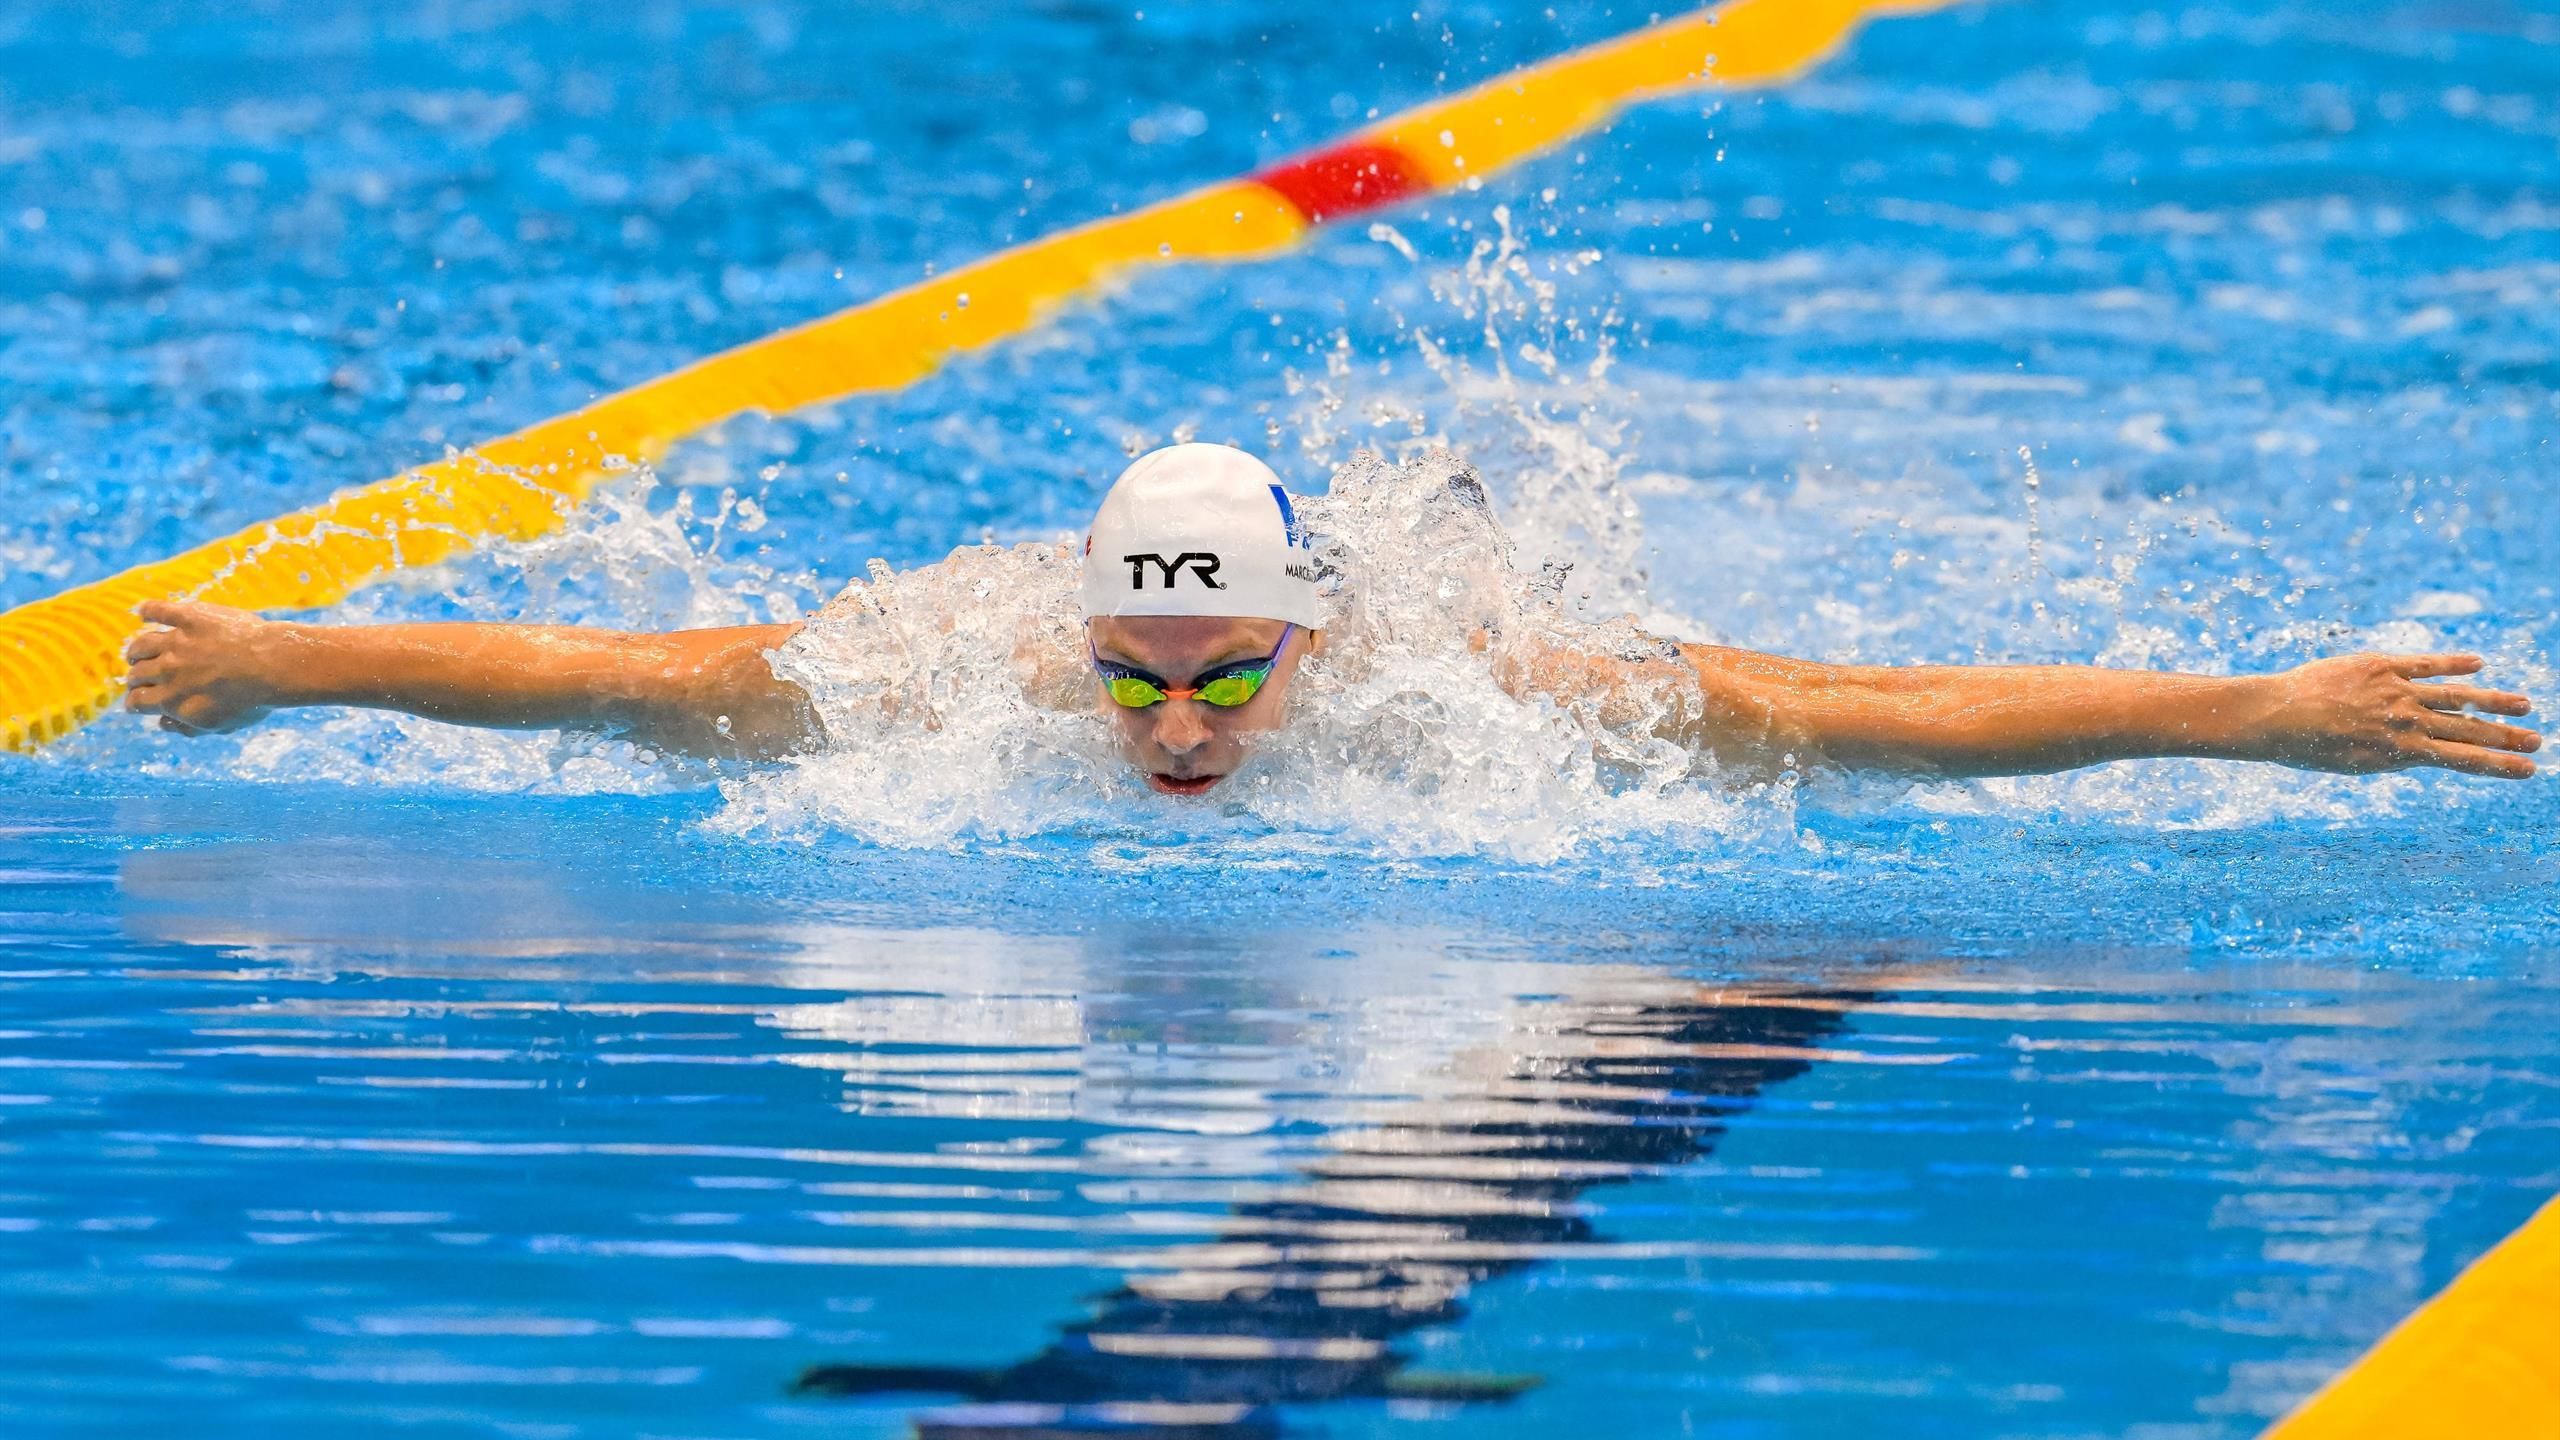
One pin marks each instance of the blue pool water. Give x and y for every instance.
(362, 1076)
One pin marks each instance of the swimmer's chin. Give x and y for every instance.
(1182, 785)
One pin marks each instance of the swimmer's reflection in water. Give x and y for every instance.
(1203, 596)
(1303, 1298)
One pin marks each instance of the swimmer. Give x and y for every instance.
(1201, 601)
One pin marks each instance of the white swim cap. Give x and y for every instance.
(1199, 530)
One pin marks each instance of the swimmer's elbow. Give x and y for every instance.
(774, 720)
(1757, 709)
(714, 694)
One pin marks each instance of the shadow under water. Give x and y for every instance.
(1305, 1290)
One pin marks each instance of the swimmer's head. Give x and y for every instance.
(1195, 573)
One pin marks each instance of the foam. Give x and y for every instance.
(959, 709)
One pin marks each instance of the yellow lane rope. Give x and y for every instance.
(61, 659)
(2479, 1362)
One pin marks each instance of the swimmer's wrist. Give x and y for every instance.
(2238, 720)
(2199, 717)
(287, 663)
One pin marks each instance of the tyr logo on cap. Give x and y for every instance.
(1198, 562)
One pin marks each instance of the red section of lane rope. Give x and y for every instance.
(1345, 180)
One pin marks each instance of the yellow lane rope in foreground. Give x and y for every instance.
(61, 658)
(2479, 1362)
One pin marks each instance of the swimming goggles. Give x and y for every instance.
(1226, 687)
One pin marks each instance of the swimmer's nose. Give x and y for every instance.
(1180, 728)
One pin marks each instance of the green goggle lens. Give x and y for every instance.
(1225, 692)
(1133, 692)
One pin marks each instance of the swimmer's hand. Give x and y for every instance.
(2361, 714)
(205, 669)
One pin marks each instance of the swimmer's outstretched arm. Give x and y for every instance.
(210, 668)
(2357, 714)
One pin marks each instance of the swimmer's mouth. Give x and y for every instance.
(1182, 784)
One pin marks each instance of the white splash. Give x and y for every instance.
(958, 707)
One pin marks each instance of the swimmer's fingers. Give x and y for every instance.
(189, 715)
(2472, 760)
(2418, 667)
(164, 702)
(2484, 734)
(147, 644)
(154, 671)
(2473, 697)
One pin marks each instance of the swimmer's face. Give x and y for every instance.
(1185, 747)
